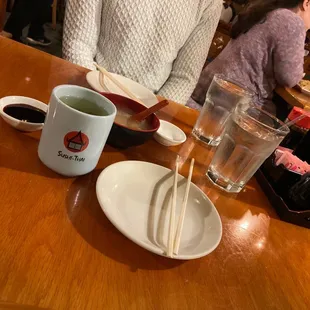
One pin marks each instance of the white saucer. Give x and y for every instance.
(16, 123)
(169, 134)
(135, 196)
(141, 92)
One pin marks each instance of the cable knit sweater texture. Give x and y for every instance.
(161, 44)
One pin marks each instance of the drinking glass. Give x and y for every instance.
(250, 136)
(222, 98)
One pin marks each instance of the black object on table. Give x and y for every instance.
(300, 192)
(298, 130)
(303, 149)
(287, 191)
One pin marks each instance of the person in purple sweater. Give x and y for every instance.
(266, 50)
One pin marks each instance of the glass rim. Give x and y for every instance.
(285, 130)
(222, 77)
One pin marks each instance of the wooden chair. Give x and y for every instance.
(2, 13)
(54, 14)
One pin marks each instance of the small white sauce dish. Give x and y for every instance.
(16, 123)
(169, 134)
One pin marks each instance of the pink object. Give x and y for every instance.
(291, 162)
(296, 112)
(282, 148)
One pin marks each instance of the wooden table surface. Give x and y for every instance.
(294, 97)
(59, 251)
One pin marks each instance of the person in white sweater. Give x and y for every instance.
(161, 44)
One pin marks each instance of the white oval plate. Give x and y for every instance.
(141, 92)
(135, 196)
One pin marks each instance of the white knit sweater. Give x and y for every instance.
(161, 44)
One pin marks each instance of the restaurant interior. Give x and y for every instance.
(178, 178)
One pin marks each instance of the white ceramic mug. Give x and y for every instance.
(72, 141)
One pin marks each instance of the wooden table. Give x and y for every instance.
(59, 251)
(294, 97)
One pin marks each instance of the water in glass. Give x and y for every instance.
(249, 138)
(222, 98)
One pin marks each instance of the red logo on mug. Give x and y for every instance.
(76, 141)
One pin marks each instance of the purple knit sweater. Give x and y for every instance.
(269, 54)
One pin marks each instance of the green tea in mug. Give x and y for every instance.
(84, 105)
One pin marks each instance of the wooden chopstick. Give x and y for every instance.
(172, 211)
(183, 209)
(117, 83)
(101, 80)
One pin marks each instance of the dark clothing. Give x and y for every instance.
(25, 12)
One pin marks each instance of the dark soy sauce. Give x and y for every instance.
(25, 113)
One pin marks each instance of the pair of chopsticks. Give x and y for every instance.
(174, 240)
(104, 72)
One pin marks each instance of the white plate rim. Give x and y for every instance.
(306, 92)
(155, 249)
(93, 72)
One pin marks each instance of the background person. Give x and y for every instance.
(266, 50)
(161, 44)
(29, 12)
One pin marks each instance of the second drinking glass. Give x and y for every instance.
(222, 98)
(249, 138)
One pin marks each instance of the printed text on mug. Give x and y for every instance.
(71, 157)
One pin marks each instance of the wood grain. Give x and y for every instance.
(294, 97)
(59, 251)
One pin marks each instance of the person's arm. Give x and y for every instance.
(81, 31)
(190, 59)
(288, 55)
